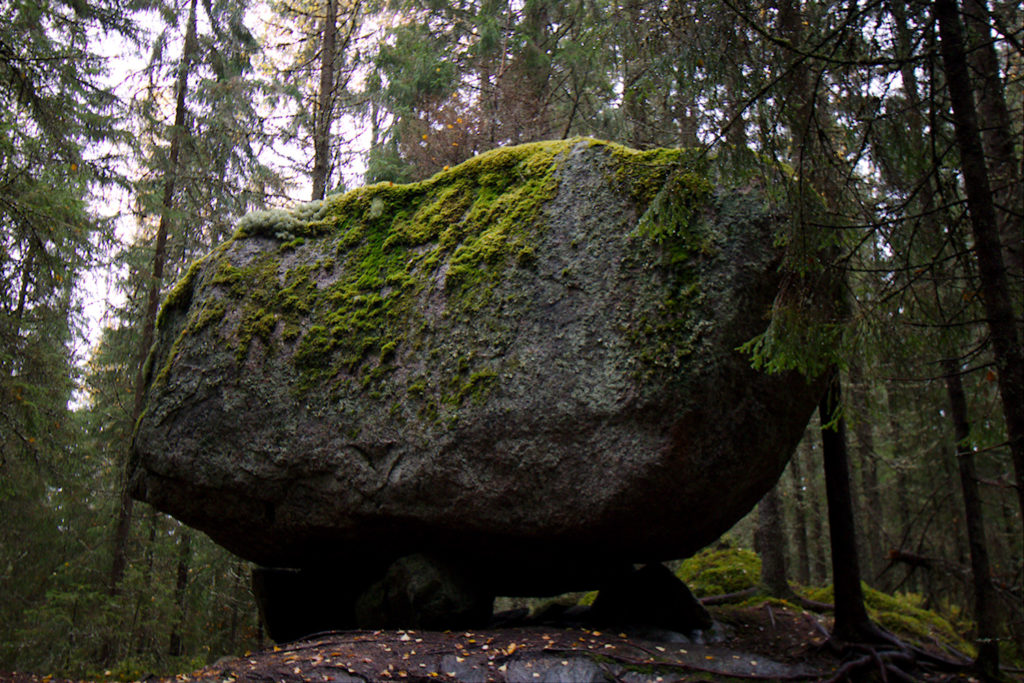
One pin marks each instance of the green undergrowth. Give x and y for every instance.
(904, 615)
(727, 568)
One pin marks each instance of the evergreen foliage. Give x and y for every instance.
(852, 103)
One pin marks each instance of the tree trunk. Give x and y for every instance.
(770, 544)
(635, 102)
(800, 107)
(997, 139)
(852, 623)
(818, 531)
(869, 510)
(142, 605)
(239, 573)
(995, 289)
(26, 279)
(124, 518)
(902, 492)
(803, 561)
(176, 645)
(959, 548)
(325, 103)
(985, 610)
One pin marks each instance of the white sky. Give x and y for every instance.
(125, 64)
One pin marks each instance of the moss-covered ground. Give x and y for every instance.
(727, 568)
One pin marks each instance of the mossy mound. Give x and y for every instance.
(902, 614)
(720, 571)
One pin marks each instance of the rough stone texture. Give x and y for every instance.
(525, 364)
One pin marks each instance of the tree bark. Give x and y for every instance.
(142, 606)
(176, 644)
(997, 140)
(803, 561)
(771, 544)
(325, 103)
(902, 488)
(870, 511)
(986, 613)
(122, 529)
(818, 531)
(852, 623)
(800, 108)
(634, 99)
(1001, 322)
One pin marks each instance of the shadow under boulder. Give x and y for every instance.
(424, 592)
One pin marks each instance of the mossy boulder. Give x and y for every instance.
(527, 362)
(721, 570)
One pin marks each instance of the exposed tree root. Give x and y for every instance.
(888, 664)
(813, 605)
(875, 650)
(726, 598)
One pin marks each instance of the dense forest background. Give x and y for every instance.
(134, 133)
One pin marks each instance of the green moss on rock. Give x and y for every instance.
(346, 302)
(904, 615)
(721, 570)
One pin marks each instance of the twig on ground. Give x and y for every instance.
(729, 597)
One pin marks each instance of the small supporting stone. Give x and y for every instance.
(425, 592)
(294, 603)
(652, 596)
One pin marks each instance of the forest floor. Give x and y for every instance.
(759, 642)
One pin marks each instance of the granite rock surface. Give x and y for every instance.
(525, 365)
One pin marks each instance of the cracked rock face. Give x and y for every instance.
(526, 363)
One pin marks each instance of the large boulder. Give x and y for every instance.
(526, 364)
